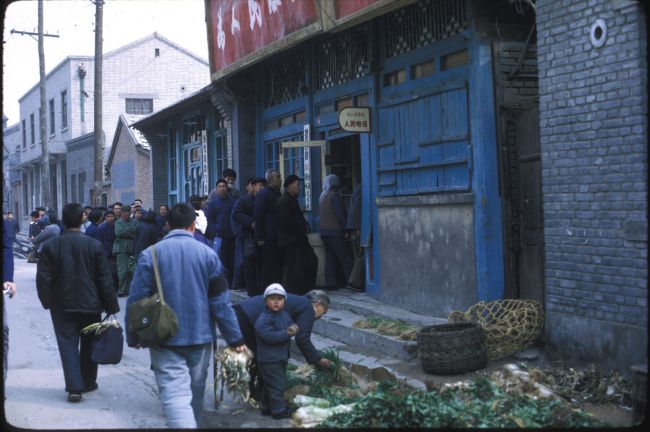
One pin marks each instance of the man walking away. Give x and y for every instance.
(195, 287)
(300, 261)
(73, 281)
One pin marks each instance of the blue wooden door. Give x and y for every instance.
(424, 144)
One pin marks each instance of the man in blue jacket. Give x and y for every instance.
(195, 287)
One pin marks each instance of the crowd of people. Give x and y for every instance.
(255, 241)
(260, 236)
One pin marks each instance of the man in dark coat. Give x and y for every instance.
(243, 216)
(300, 261)
(146, 234)
(107, 235)
(95, 217)
(73, 281)
(266, 233)
(220, 229)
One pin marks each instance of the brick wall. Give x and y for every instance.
(593, 106)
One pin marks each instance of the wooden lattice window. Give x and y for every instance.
(342, 58)
(284, 80)
(422, 23)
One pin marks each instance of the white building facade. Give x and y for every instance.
(138, 78)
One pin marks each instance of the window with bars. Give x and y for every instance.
(284, 80)
(64, 109)
(31, 128)
(24, 127)
(51, 104)
(342, 58)
(139, 106)
(173, 185)
(422, 23)
(192, 128)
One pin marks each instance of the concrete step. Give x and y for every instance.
(367, 306)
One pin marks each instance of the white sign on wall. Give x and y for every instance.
(355, 119)
(204, 146)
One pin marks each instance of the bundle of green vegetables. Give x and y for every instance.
(100, 327)
(481, 404)
(234, 374)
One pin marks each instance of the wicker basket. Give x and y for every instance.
(452, 348)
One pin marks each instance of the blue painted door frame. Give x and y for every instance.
(488, 226)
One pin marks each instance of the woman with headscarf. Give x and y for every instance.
(332, 231)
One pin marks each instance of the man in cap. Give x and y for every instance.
(300, 261)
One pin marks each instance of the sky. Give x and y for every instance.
(125, 21)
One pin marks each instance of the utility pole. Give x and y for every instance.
(45, 172)
(99, 148)
(45, 179)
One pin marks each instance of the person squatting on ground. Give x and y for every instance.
(303, 310)
(194, 285)
(299, 259)
(274, 329)
(73, 280)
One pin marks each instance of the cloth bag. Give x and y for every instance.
(107, 342)
(151, 318)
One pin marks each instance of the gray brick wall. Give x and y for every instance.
(593, 106)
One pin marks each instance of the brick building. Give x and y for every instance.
(593, 77)
(138, 78)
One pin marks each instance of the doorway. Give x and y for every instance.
(525, 217)
(343, 158)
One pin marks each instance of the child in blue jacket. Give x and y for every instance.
(273, 330)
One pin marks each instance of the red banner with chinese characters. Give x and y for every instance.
(241, 27)
(348, 7)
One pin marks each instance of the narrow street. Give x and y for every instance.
(127, 395)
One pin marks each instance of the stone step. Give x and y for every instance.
(367, 306)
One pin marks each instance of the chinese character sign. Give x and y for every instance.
(241, 27)
(355, 119)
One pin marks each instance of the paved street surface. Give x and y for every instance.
(127, 395)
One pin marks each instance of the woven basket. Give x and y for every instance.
(452, 348)
(510, 325)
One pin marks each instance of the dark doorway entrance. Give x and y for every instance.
(524, 215)
(343, 159)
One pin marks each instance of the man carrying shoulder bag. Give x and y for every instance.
(195, 287)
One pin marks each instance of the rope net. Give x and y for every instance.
(510, 325)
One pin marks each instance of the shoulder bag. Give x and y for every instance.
(151, 318)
